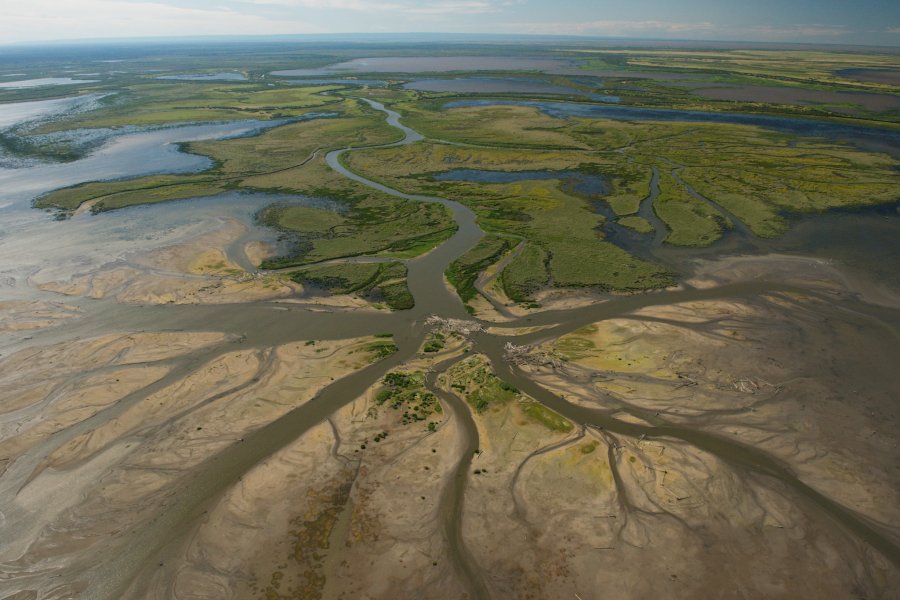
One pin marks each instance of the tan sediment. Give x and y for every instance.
(327, 517)
(257, 251)
(516, 331)
(49, 388)
(708, 363)
(194, 272)
(141, 453)
(84, 208)
(346, 301)
(23, 315)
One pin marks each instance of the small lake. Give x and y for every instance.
(223, 76)
(336, 81)
(431, 64)
(881, 139)
(489, 85)
(44, 81)
(584, 184)
(887, 76)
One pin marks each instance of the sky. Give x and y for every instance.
(871, 22)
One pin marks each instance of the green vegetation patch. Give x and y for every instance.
(291, 159)
(302, 219)
(463, 272)
(573, 348)
(373, 223)
(551, 420)
(381, 349)
(588, 448)
(379, 282)
(630, 185)
(525, 274)
(564, 243)
(160, 103)
(691, 221)
(268, 161)
(407, 392)
(639, 224)
(109, 195)
(473, 379)
(435, 343)
(490, 125)
(491, 393)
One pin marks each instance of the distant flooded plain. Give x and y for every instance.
(43, 81)
(429, 64)
(486, 85)
(222, 76)
(877, 138)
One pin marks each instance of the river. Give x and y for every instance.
(126, 560)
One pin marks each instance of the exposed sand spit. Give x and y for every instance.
(198, 271)
(158, 405)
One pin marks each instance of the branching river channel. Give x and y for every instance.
(118, 566)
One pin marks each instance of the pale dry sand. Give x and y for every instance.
(257, 252)
(326, 518)
(140, 414)
(194, 272)
(24, 315)
(99, 436)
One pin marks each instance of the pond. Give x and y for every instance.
(876, 138)
(336, 81)
(223, 76)
(488, 85)
(431, 64)
(30, 83)
(886, 76)
(584, 184)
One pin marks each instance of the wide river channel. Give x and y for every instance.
(26, 245)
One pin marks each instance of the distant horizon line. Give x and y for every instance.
(413, 37)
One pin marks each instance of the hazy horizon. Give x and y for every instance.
(451, 38)
(870, 22)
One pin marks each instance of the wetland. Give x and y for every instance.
(322, 341)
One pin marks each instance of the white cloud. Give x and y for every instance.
(792, 31)
(683, 30)
(451, 8)
(403, 7)
(52, 20)
(615, 28)
(357, 5)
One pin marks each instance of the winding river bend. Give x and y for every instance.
(131, 559)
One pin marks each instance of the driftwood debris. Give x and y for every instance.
(457, 326)
(527, 355)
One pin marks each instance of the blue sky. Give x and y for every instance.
(829, 21)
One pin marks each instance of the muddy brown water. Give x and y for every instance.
(135, 555)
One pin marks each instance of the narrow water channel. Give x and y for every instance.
(262, 327)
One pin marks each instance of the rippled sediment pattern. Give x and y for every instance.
(684, 443)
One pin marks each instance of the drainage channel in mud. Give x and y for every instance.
(740, 456)
(130, 560)
(211, 479)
